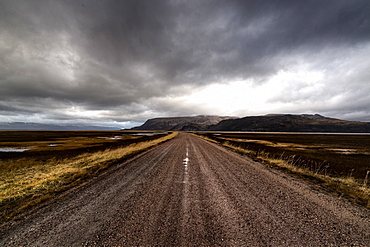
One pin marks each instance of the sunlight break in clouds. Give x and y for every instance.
(246, 97)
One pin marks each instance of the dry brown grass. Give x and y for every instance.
(25, 182)
(347, 187)
(355, 190)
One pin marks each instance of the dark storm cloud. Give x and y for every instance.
(126, 57)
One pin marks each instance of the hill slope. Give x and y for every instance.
(181, 123)
(292, 123)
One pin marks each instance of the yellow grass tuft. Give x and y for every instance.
(356, 190)
(24, 182)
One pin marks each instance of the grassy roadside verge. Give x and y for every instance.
(24, 183)
(355, 190)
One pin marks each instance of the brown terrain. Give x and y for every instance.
(267, 123)
(181, 123)
(190, 192)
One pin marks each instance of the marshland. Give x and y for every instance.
(36, 165)
(336, 162)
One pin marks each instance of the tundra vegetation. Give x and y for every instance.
(54, 161)
(338, 163)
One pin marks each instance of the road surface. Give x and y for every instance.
(189, 192)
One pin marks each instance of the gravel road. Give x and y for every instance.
(189, 192)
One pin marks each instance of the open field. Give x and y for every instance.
(192, 192)
(43, 145)
(342, 161)
(35, 165)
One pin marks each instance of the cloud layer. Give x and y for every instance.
(119, 61)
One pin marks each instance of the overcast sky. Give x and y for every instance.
(122, 62)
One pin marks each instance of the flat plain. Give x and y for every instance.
(337, 154)
(42, 145)
(36, 165)
(339, 163)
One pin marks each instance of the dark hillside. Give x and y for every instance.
(292, 123)
(181, 123)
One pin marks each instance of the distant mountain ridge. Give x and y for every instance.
(267, 123)
(292, 123)
(181, 123)
(38, 126)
